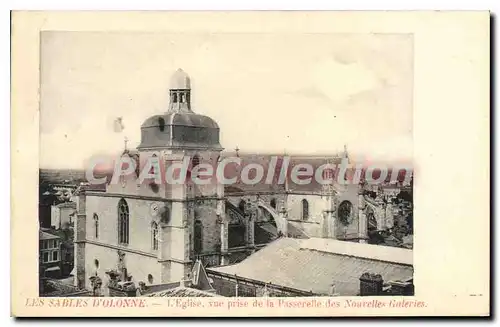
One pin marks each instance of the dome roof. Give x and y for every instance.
(180, 80)
(180, 127)
(185, 130)
(180, 119)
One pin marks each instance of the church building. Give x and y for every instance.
(154, 232)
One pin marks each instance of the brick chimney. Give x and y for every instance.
(370, 284)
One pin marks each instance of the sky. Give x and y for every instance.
(269, 93)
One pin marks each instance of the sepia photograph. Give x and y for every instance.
(120, 114)
(271, 169)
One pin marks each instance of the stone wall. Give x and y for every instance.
(138, 265)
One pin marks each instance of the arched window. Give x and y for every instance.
(123, 222)
(96, 225)
(345, 213)
(154, 236)
(96, 263)
(150, 279)
(273, 203)
(198, 237)
(305, 209)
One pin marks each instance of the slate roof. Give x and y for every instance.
(265, 233)
(315, 264)
(295, 230)
(47, 236)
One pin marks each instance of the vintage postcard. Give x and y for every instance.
(250, 164)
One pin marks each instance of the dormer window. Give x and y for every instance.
(161, 124)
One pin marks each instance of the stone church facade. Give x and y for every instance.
(153, 232)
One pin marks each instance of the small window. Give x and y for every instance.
(273, 203)
(46, 257)
(154, 236)
(96, 263)
(174, 97)
(161, 124)
(96, 226)
(150, 279)
(152, 170)
(305, 209)
(55, 255)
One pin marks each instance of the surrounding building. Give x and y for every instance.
(316, 267)
(49, 254)
(63, 215)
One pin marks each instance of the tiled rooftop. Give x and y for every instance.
(57, 288)
(312, 265)
(181, 291)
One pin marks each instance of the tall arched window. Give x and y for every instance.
(154, 236)
(198, 237)
(305, 209)
(123, 222)
(96, 225)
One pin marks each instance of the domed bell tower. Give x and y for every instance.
(180, 92)
(197, 211)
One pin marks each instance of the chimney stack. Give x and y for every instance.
(370, 284)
